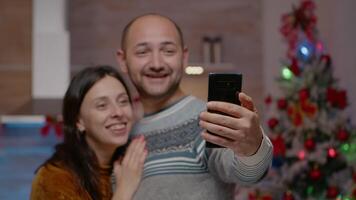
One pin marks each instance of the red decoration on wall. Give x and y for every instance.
(268, 100)
(52, 122)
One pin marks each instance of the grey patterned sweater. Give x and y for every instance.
(179, 166)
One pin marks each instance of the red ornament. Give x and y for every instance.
(303, 94)
(279, 146)
(308, 5)
(341, 99)
(298, 119)
(315, 174)
(326, 58)
(288, 196)
(282, 104)
(354, 177)
(272, 123)
(267, 197)
(336, 98)
(252, 196)
(309, 144)
(354, 193)
(309, 108)
(294, 67)
(290, 111)
(342, 135)
(331, 95)
(332, 192)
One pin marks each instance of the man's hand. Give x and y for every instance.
(239, 128)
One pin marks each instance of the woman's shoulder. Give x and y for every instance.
(54, 180)
(53, 170)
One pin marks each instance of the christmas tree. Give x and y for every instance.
(314, 140)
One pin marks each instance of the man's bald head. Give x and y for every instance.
(127, 28)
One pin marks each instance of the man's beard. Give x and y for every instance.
(166, 94)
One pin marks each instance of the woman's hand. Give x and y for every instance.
(128, 170)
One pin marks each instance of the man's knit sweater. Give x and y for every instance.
(180, 167)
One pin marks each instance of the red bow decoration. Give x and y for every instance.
(55, 123)
(302, 18)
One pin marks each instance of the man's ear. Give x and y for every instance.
(185, 56)
(121, 60)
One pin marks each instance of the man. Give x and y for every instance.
(178, 165)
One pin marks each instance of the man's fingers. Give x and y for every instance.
(223, 120)
(246, 102)
(216, 139)
(225, 108)
(221, 130)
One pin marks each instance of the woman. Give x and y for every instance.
(97, 117)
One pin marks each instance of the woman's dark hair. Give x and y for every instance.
(74, 152)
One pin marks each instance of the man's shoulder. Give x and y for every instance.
(189, 104)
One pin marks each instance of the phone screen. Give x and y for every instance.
(223, 87)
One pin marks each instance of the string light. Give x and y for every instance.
(332, 152)
(319, 47)
(305, 50)
(301, 155)
(345, 147)
(287, 73)
(353, 147)
(310, 190)
(194, 70)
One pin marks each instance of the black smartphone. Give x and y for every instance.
(223, 87)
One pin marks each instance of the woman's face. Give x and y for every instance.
(106, 115)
